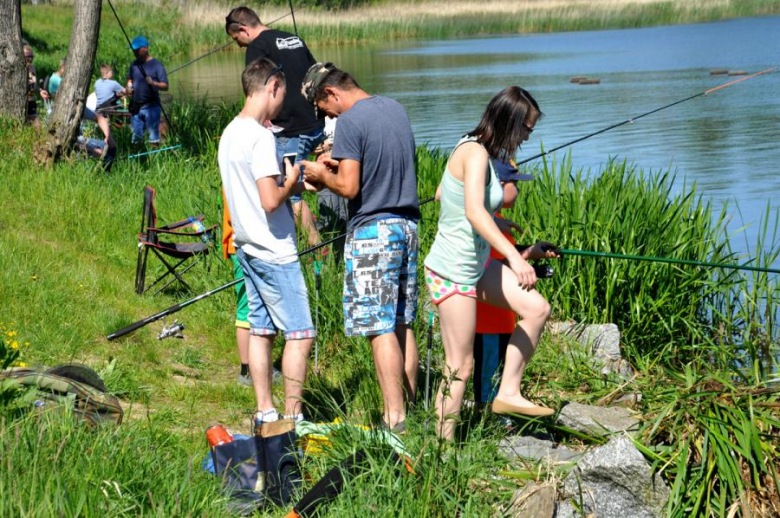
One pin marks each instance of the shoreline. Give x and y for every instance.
(401, 20)
(394, 21)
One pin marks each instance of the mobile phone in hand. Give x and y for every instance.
(292, 157)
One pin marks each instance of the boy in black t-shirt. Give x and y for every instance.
(300, 131)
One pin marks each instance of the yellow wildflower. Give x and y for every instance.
(11, 334)
(20, 364)
(14, 345)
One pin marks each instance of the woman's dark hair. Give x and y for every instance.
(503, 125)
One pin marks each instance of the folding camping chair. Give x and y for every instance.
(148, 239)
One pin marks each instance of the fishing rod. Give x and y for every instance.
(178, 307)
(228, 44)
(631, 120)
(668, 260)
(140, 65)
(292, 12)
(207, 54)
(169, 148)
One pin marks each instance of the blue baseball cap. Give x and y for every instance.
(138, 42)
(507, 172)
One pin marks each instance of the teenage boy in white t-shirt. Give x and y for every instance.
(264, 234)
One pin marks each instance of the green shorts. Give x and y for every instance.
(242, 305)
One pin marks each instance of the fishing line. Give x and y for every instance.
(140, 65)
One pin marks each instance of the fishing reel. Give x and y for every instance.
(175, 330)
(543, 271)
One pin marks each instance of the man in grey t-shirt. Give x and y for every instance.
(372, 165)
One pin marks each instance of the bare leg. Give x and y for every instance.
(296, 354)
(408, 345)
(498, 287)
(458, 318)
(304, 215)
(260, 369)
(242, 339)
(389, 362)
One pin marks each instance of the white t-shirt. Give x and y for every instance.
(247, 152)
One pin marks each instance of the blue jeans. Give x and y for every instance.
(147, 118)
(302, 146)
(278, 299)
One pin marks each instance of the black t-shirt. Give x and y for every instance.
(297, 115)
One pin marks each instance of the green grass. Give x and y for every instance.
(67, 263)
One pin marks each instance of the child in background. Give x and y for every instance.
(106, 89)
(55, 80)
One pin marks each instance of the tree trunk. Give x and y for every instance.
(72, 94)
(13, 68)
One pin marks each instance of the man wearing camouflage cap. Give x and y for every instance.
(372, 165)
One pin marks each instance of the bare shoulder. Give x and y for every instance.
(468, 156)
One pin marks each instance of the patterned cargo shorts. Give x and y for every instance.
(380, 279)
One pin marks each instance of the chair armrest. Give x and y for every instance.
(165, 230)
(183, 222)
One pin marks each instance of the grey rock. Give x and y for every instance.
(532, 501)
(601, 341)
(565, 509)
(615, 481)
(532, 448)
(598, 420)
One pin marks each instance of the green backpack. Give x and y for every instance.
(74, 385)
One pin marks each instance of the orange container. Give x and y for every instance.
(217, 435)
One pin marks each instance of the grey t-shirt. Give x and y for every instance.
(376, 132)
(105, 89)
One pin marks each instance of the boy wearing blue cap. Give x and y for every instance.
(147, 76)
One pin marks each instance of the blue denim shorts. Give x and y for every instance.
(380, 279)
(278, 299)
(302, 146)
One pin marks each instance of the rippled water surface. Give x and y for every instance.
(727, 142)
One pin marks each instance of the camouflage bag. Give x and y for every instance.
(75, 386)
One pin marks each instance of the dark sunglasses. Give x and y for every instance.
(273, 73)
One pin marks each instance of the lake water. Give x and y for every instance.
(727, 142)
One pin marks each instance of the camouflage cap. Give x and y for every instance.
(313, 78)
